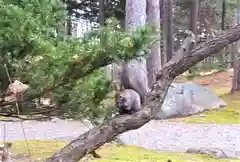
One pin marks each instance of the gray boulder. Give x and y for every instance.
(185, 99)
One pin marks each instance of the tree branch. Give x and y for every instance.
(96, 137)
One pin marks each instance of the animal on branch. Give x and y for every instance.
(184, 49)
(134, 77)
(134, 87)
(128, 101)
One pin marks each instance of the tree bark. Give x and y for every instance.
(136, 17)
(69, 19)
(193, 22)
(168, 29)
(194, 18)
(235, 63)
(236, 76)
(162, 51)
(96, 137)
(154, 63)
(101, 13)
(223, 14)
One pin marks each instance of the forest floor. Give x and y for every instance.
(225, 135)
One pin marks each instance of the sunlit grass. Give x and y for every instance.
(37, 149)
(40, 150)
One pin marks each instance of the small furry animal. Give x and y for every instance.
(128, 101)
(134, 77)
(184, 48)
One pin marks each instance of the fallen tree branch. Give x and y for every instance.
(96, 137)
(42, 112)
(22, 118)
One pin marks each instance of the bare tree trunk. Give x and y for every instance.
(193, 21)
(154, 63)
(234, 46)
(236, 63)
(223, 14)
(232, 55)
(101, 13)
(136, 17)
(168, 29)
(221, 57)
(162, 51)
(96, 137)
(69, 19)
(236, 76)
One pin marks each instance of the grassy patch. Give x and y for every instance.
(228, 115)
(3, 118)
(40, 150)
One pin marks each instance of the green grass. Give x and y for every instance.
(39, 150)
(227, 115)
(136, 154)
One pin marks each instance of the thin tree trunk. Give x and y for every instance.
(101, 13)
(234, 46)
(236, 63)
(221, 57)
(193, 22)
(162, 51)
(223, 14)
(97, 137)
(168, 29)
(236, 76)
(154, 63)
(69, 19)
(136, 17)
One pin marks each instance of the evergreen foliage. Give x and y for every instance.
(35, 51)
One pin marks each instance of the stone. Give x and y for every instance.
(215, 152)
(185, 99)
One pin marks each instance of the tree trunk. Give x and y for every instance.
(96, 137)
(168, 29)
(221, 57)
(69, 19)
(223, 14)
(193, 22)
(236, 63)
(234, 46)
(154, 60)
(162, 51)
(136, 17)
(194, 17)
(101, 13)
(236, 76)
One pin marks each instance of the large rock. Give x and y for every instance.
(185, 99)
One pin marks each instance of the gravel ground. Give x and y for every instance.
(155, 135)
